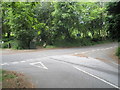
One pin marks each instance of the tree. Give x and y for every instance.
(6, 14)
(44, 25)
(65, 19)
(113, 20)
(47, 23)
(20, 19)
(90, 19)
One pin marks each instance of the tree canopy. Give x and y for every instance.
(46, 23)
(114, 20)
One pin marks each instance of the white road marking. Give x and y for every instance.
(22, 61)
(115, 46)
(98, 49)
(111, 47)
(40, 66)
(14, 62)
(75, 53)
(103, 49)
(96, 77)
(107, 48)
(93, 50)
(29, 60)
(82, 52)
(5, 64)
(85, 52)
(43, 65)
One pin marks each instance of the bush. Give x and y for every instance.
(6, 42)
(78, 42)
(118, 52)
(15, 44)
(64, 43)
(11, 44)
(73, 43)
(86, 42)
(4, 45)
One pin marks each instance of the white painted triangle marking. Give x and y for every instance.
(39, 64)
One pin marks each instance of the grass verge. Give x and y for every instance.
(11, 79)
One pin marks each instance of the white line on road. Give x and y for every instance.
(92, 50)
(75, 53)
(5, 64)
(96, 77)
(41, 65)
(98, 49)
(85, 52)
(14, 62)
(22, 61)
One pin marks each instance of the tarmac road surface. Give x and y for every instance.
(64, 68)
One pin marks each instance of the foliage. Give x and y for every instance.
(26, 24)
(118, 52)
(114, 20)
(19, 20)
(65, 19)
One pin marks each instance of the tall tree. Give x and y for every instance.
(19, 18)
(65, 19)
(114, 20)
(44, 25)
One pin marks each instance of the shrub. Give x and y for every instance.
(86, 42)
(15, 44)
(4, 45)
(118, 52)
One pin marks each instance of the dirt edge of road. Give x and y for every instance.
(13, 79)
(117, 60)
(113, 56)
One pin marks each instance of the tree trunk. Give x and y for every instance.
(8, 34)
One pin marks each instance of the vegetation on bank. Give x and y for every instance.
(76, 43)
(64, 44)
(118, 52)
(5, 76)
(12, 79)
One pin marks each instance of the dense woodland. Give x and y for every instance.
(26, 25)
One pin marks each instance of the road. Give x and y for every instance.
(83, 67)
